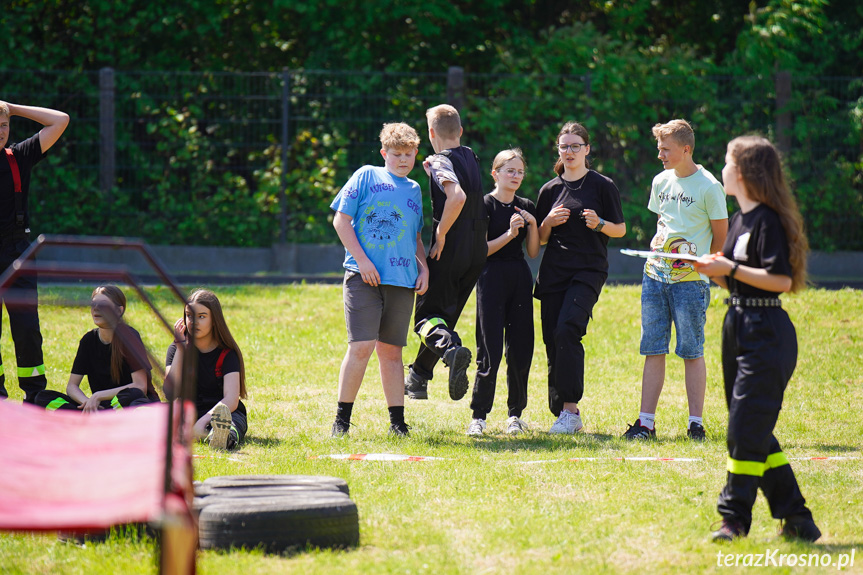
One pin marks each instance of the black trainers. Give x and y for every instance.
(340, 427)
(400, 429)
(730, 530)
(457, 360)
(415, 386)
(696, 432)
(638, 431)
(800, 527)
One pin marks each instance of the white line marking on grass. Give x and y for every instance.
(217, 457)
(823, 458)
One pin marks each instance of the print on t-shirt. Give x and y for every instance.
(676, 270)
(382, 226)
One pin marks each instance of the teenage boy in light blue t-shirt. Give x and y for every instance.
(692, 219)
(379, 219)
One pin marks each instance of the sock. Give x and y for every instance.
(693, 419)
(344, 411)
(397, 414)
(648, 420)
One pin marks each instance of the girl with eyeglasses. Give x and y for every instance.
(112, 357)
(504, 308)
(579, 210)
(766, 253)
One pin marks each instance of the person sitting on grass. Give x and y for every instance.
(222, 418)
(378, 218)
(112, 357)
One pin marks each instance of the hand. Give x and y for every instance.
(591, 219)
(180, 331)
(199, 430)
(427, 167)
(437, 248)
(713, 265)
(516, 222)
(556, 217)
(422, 280)
(369, 272)
(91, 405)
(529, 220)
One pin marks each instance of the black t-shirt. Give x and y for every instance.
(27, 154)
(575, 252)
(499, 215)
(757, 239)
(210, 389)
(94, 361)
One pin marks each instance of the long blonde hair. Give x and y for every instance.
(760, 168)
(221, 333)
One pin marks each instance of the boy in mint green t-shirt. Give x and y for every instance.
(692, 219)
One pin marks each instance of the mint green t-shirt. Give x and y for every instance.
(685, 207)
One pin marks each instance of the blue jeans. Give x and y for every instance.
(685, 305)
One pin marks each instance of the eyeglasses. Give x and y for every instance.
(576, 148)
(511, 172)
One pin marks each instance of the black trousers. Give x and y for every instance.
(565, 316)
(504, 321)
(451, 280)
(23, 308)
(759, 354)
(129, 397)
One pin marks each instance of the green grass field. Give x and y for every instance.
(498, 504)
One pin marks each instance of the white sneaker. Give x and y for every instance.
(568, 422)
(221, 427)
(476, 427)
(514, 426)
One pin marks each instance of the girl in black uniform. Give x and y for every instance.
(503, 295)
(221, 372)
(579, 210)
(767, 252)
(113, 359)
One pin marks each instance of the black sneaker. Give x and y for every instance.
(638, 431)
(415, 386)
(340, 428)
(800, 527)
(731, 529)
(696, 432)
(457, 360)
(400, 429)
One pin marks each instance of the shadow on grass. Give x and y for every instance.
(612, 445)
(262, 441)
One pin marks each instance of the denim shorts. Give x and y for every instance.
(684, 304)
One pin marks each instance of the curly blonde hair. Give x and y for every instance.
(399, 136)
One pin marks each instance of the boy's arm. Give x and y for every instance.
(348, 237)
(55, 122)
(455, 199)
(422, 269)
(720, 231)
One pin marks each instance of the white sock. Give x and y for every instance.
(693, 419)
(647, 419)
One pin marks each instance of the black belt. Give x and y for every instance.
(737, 301)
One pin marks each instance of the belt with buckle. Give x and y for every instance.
(737, 301)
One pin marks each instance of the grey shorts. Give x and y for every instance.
(381, 313)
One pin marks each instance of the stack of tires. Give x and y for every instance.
(276, 513)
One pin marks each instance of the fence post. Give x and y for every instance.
(783, 116)
(283, 177)
(107, 141)
(588, 93)
(455, 87)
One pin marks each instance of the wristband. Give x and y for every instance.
(734, 269)
(600, 225)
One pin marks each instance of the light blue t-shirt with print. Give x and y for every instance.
(685, 207)
(387, 215)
